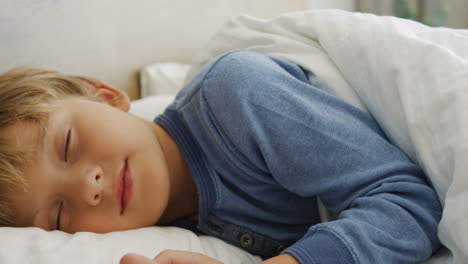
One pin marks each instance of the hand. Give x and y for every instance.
(132, 258)
(170, 257)
(281, 259)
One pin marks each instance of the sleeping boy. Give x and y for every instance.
(243, 154)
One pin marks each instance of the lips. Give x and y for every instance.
(124, 188)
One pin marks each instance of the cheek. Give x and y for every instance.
(107, 136)
(96, 223)
(151, 189)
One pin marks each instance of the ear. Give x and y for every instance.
(113, 97)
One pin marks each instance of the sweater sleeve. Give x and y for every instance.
(314, 144)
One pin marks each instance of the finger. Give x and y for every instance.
(183, 257)
(132, 258)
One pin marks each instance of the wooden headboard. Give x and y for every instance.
(112, 40)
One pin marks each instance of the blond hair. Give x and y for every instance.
(26, 95)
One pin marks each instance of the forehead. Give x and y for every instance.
(29, 133)
(24, 136)
(33, 141)
(24, 143)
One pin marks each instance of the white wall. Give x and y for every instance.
(335, 4)
(112, 39)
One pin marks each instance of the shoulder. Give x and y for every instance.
(240, 63)
(241, 78)
(229, 77)
(235, 72)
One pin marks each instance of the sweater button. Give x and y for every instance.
(280, 248)
(246, 240)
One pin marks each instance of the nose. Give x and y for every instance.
(93, 186)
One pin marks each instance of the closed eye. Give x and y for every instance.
(67, 144)
(59, 214)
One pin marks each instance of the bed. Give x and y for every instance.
(419, 107)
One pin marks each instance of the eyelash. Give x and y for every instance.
(65, 156)
(57, 221)
(67, 144)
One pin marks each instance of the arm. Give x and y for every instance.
(169, 257)
(316, 145)
(281, 259)
(185, 257)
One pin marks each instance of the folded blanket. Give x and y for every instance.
(412, 78)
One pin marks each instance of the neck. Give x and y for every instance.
(183, 196)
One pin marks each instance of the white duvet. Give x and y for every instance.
(412, 78)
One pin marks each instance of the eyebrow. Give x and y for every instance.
(42, 134)
(42, 131)
(39, 136)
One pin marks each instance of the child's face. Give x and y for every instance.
(79, 184)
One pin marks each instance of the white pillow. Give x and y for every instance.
(162, 78)
(34, 245)
(149, 107)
